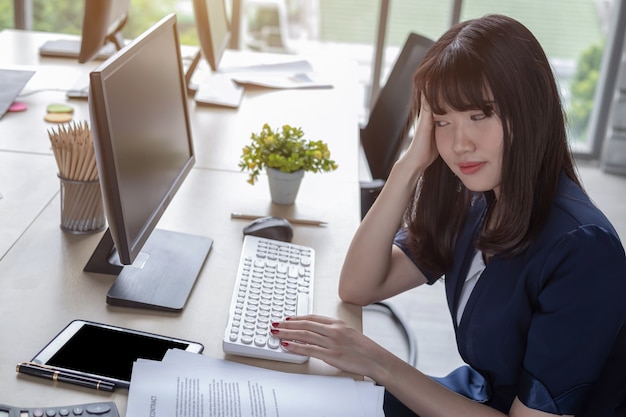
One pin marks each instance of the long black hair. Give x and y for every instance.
(499, 55)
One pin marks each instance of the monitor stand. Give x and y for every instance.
(162, 276)
(215, 89)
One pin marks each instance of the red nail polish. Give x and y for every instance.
(287, 318)
(285, 344)
(275, 324)
(273, 331)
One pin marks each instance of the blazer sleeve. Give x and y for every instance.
(578, 316)
(400, 240)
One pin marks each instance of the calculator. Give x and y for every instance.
(97, 409)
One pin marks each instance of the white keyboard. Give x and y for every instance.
(274, 281)
(219, 90)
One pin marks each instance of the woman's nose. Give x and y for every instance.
(462, 140)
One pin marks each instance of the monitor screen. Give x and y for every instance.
(144, 150)
(213, 28)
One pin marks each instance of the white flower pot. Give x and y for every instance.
(284, 186)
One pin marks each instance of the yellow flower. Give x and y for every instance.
(269, 140)
(317, 155)
(251, 165)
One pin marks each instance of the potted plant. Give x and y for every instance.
(286, 155)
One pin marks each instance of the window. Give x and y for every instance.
(573, 33)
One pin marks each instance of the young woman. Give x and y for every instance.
(489, 199)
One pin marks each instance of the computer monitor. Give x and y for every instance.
(214, 32)
(143, 146)
(213, 28)
(101, 36)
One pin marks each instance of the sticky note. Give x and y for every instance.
(59, 108)
(17, 106)
(58, 117)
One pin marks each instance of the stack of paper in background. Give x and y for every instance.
(186, 384)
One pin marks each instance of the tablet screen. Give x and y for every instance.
(108, 352)
(100, 353)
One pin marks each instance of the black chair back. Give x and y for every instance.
(385, 134)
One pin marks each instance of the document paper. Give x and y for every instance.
(186, 384)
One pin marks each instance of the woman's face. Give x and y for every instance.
(471, 144)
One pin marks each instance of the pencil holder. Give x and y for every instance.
(82, 210)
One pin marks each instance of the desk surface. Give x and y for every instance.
(42, 285)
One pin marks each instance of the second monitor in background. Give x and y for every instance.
(214, 32)
(101, 36)
(224, 85)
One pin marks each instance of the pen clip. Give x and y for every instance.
(33, 364)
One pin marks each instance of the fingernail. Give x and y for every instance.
(284, 344)
(273, 331)
(275, 324)
(287, 318)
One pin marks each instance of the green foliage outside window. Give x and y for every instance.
(63, 16)
(583, 89)
(67, 16)
(6, 14)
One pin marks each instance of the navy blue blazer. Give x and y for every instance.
(548, 325)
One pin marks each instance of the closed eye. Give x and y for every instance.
(439, 120)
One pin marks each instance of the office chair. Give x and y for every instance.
(385, 134)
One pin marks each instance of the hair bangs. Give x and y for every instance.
(455, 81)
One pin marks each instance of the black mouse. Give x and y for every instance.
(270, 227)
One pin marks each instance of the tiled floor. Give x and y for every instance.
(425, 308)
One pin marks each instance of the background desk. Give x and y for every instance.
(42, 285)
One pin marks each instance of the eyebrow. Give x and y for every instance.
(491, 104)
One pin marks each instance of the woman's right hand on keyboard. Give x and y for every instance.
(334, 342)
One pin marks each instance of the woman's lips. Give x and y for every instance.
(468, 168)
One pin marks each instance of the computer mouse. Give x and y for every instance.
(270, 227)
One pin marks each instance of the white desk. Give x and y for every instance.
(43, 287)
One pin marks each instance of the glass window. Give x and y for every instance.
(573, 33)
